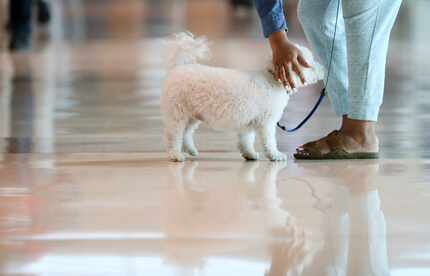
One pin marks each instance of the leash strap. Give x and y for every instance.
(321, 98)
(323, 91)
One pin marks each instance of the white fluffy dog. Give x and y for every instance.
(248, 102)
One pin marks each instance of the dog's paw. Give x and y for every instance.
(277, 156)
(192, 151)
(251, 156)
(177, 156)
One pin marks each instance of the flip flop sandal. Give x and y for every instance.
(337, 151)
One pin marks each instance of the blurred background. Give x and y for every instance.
(86, 77)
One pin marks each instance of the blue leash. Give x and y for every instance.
(306, 119)
(323, 91)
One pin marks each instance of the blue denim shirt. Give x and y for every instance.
(272, 16)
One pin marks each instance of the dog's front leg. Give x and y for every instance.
(174, 137)
(268, 138)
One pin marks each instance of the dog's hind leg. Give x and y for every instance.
(189, 146)
(174, 136)
(268, 137)
(246, 144)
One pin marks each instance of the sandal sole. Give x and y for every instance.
(339, 156)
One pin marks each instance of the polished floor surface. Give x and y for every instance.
(86, 189)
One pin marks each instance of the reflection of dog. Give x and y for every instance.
(236, 211)
(248, 194)
(247, 102)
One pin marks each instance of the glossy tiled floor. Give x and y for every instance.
(85, 188)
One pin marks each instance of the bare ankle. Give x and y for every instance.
(363, 132)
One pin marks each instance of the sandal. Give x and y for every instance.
(337, 151)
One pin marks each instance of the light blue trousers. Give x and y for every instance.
(356, 83)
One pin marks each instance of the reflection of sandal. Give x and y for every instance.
(337, 151)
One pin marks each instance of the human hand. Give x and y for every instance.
(287, 59)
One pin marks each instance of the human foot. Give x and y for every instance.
(340, 145)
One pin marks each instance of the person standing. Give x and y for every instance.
(20, 15)
(356, 83)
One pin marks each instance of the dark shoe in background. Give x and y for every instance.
(43, 12)
(20, 19)
(242, 3)
(242, 8)
(20, 12)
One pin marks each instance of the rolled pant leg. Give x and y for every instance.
(368, 24)
(318, 19)
(20, 15)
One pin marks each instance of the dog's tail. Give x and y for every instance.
(187, 49)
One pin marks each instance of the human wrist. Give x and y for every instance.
(278, 38)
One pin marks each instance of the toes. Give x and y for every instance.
(302, 154)
(319, 145)
(307, 145)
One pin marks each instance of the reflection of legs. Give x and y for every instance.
(338, 232)
(318, 18)
(269, 191)
(189, 171)
(357, 233)
(368, 247)
(247, 172)
(368, 25)
(246, 144)
(183, 176)
(290, 250)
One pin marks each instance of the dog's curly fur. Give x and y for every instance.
(248, 102)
